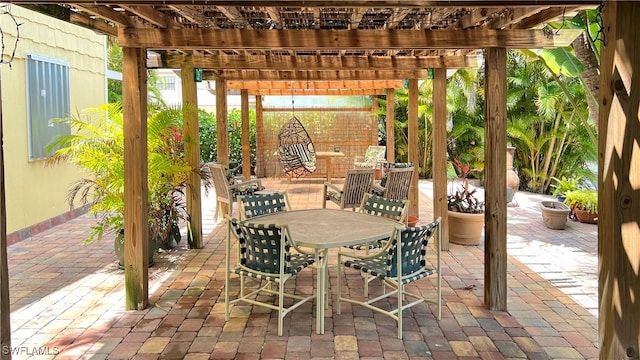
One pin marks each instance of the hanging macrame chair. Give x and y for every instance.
(296, 152)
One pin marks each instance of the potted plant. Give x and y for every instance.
(96, 146)
(562, 185)
(465, 216)
(583, 204)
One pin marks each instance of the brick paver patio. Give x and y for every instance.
(67, 300)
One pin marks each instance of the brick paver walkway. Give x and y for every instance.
(67, 301)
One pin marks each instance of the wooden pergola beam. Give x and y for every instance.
(314, 85)
(366, 39)
(304, 75)
(309, 62)
(325, 92)
(341, 3)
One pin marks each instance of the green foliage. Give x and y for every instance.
(586, 200)
(96, 146)
(208, 136)
(208, 143)
(561, 61)
(563, 185)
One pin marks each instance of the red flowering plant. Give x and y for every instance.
(462, 199)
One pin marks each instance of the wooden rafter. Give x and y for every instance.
(345, 39)
(152, 15)
(106, 13)
(545, 16)
(514, 16)
(324, 92)
(475, 17)
(343, 3)
(304, 75)
(235, 16)
(264, 62)
(397, 16)
(193, 15)
(315, 85)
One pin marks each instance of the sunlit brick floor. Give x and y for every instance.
(67, 300)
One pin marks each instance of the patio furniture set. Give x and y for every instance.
(275, 243)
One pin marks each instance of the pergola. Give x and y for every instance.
(364, 47)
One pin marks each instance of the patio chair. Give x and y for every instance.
(228, 187)
(262, 204)
(357, 182)
(379, 206)
(400, 262)
(265, 254)
(395, 183)
(372, 157)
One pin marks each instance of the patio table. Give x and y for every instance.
(325, 229)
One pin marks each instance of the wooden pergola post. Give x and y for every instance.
(495, 179)
(619, 183)
(222, 122)
(439, 157)
(246, 146)
(136, 207)
(390, 124)
(260, 153)
(414, 149)
(5, 304)
(192, 155)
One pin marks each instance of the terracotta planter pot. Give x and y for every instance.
(585, 216)
(465, 229)
(554, 214)
(412, 220)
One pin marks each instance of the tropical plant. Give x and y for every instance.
(462, 199)
(563, 185)
(208, 134)
(583, 199)
(96, 146)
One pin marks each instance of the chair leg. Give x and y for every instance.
(339, 287)
(216, 218)
(280, 306)
(400, 295)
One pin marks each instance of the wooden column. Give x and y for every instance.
(495, 179)
(619, 183)
(246, 146)
(391, 122)
(260, 152)
(192, 156)
(5, 307)
(414, 149)
(439, 157)
(136, 207)
(222, 122)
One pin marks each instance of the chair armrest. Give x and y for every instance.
(332, 186)
(377, 253)
(258, 182)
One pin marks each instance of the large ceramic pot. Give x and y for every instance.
(554, 214)
(464, 228)
(118, 245)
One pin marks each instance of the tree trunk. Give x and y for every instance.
(591, 76)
